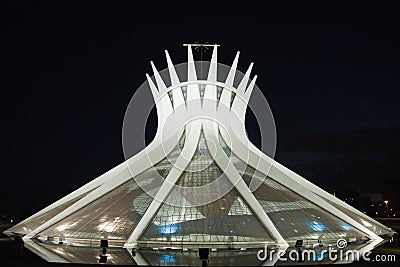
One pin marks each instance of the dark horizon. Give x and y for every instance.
(329, 72)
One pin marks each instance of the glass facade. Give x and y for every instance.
(227, 219)
(296, 217)
(112, 216)
(368, 223)
(35, 222)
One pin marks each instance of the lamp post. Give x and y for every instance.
(387, 207)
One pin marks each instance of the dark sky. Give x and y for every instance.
(331, 74)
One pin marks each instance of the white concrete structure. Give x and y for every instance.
(201, 139)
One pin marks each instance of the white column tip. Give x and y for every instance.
(167, 54)
(153, 67)
(249, 69)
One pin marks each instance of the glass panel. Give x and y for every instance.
(226, 148)
(164, 166)
(171, 98)
(35, 222)
(232, 97)
(227, 219)
(202, 87)
(219, 93)
(368, 223)
(297, 218)
(113, 216)
(184, 93)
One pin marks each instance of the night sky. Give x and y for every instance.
(331, 74)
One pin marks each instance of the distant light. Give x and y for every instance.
(165, 258)
(345, 227)
(107, 227)
(62, 227)
(11, 220)
(316, 226)
(366, 223)
(168, 229)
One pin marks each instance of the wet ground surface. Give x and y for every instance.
(11, 254)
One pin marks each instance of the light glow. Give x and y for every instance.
(317, 226)
(168, 229)
(165, 258)
(345, 227)
(366, 223)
